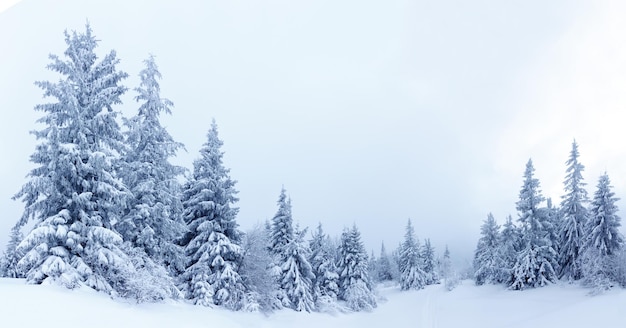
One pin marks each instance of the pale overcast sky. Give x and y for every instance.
(368, 112)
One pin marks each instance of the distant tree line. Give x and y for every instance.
(576, 241)
(108, 211)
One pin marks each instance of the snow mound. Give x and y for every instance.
(559, 305)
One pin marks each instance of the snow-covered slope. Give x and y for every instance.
(466, 306)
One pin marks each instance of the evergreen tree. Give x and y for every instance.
(445, 264)
(395, 263)
(604, 241)
(354, 283)
(8, 262)
(153, 219)
(384, 265)
(292, 268)
(213, 242)
(536, 261)
(573, 218)
(488, 262)
(552, 219)
(297, 273)
(451, 279)
(73, 195)
(428, 259)
(511, 244)
(602, 229)
(322, 259)
(412, 275)
(280, 232)
(281, 225)
(372, 267)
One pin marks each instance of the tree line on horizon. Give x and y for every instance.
(578, 241)
(108, 211)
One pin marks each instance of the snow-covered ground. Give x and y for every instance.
(559, 305)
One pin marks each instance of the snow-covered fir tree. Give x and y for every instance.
(322, 259)
(73, 194)
(510, 244)
(488, 263)
(445, 264)
(552, 221)
(448, 273)
(429, 263)
(292, 268)
(602, 228)
(573, 218)
(153, 220)
(281, 232)
(297, 273)
(354, 283)
(536, 262)
(213, 241)
(384, 265)
(372, 267)
(11, 256)
(603, 240)
(412, 275)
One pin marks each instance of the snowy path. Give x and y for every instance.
(429, 309)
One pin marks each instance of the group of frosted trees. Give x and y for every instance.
(417, 266)
(105, 208)
(579, 240)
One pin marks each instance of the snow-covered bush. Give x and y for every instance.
(256, 272)
(149, 281)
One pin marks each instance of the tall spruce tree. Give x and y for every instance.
(445, 265)
(552, 221)
(488, 262)
(603, 241)
(354, 283)
(213, 241)
(281, 231)
(153, 220)
(297, 273)
(322, 259)
(511, 244)
(372, 267)
(293, 270)
(536, 262)
(73, 195)
(602, 228)
(384, 265)
(429, 263)
(412, 275)
(573, 218)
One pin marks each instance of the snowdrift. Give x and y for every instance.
(560, 305)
